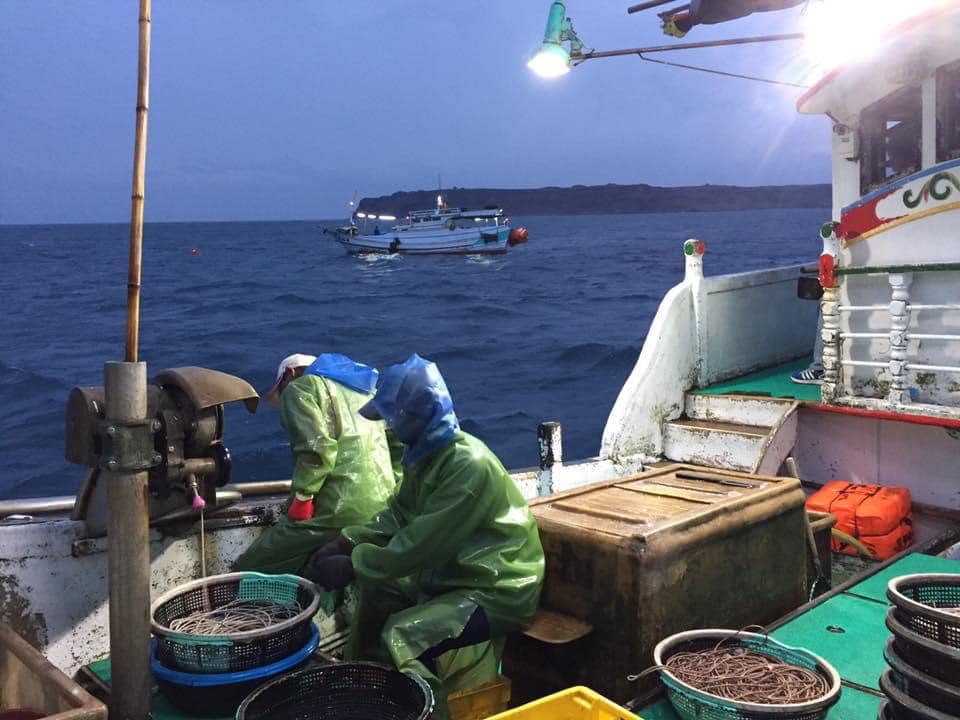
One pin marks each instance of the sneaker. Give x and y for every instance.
(810, 376)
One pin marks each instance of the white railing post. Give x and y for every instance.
(899, 322)
(550, 441)
(830, 334)
(693, 251)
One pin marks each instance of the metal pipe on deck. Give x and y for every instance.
(549, 439)
(125, 386)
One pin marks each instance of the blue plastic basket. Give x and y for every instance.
(220, 694)
(693, 704)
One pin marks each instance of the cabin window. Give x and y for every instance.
(948, 112)
(890, 139)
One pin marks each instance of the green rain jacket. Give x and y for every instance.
(458, 523)
(340, 458)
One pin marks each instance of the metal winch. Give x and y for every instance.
(180, 444)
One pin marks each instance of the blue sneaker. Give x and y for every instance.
(810, 376)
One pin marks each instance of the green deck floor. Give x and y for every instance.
(857, 652)
(772, 382)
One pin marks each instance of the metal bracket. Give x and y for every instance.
(128, 447)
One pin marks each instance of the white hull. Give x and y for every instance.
(459, 241)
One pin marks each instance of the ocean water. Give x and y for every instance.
(548, 331)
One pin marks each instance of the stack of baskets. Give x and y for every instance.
(923, 680)
(212, 674)
(691, 703)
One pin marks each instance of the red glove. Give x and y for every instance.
(300, 509)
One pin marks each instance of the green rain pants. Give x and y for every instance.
(285, 547)
(396, 624)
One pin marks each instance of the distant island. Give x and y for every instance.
(607, 199)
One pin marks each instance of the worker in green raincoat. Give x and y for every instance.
(342, 475)
(454, 562)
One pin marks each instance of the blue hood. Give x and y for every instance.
(345, 371)
(414, 400)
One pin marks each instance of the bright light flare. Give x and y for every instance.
(550, 62)
(388, 217)
(839, 32)
(361, 215)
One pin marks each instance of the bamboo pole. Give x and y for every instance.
(139, 183)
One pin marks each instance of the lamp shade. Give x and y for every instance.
(552, 60)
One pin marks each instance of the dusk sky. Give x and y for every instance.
(281, 109)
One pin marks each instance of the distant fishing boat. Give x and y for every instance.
(440, 231)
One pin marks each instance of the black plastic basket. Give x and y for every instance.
(885, 712)
(918, 599)
(233, 652)
(921, 685)
(939, 660)
(905, 707)
(345, 691)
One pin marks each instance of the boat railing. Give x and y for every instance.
(903, 379)
(707, 329)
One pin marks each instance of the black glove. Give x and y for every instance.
(331, 573)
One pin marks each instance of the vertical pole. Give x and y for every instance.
(830, 389)
(139, 183)
(551, 455)
(125, 386)
(693, 251)
(899, 322)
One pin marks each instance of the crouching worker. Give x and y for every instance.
(342, 472)
(454, 562)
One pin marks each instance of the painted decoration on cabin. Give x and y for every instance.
(937, 187)
(931, 191)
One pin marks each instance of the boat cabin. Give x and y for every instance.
(892, 321)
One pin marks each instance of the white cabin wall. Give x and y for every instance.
(754, 320)
(845, 166)
(928, 122)
(832, 446)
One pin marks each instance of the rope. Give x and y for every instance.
(235, 617)
(745, 676)
(203, 547)
(723, 73)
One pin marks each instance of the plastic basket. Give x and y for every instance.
(219, 694)
(885, 712)
(576, 703)
(917, 599)
(345, 691)
(693, 704)
(937, 659)
(479, 702)
(233, 652)
(921, 685)
(905, 707)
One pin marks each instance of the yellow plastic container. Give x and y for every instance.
(576, 703)
(480, 702)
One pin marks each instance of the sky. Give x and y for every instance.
(282, 109)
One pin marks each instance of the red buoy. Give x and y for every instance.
(195, 251)
(517, 236)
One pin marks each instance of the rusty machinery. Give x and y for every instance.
(180, 445)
